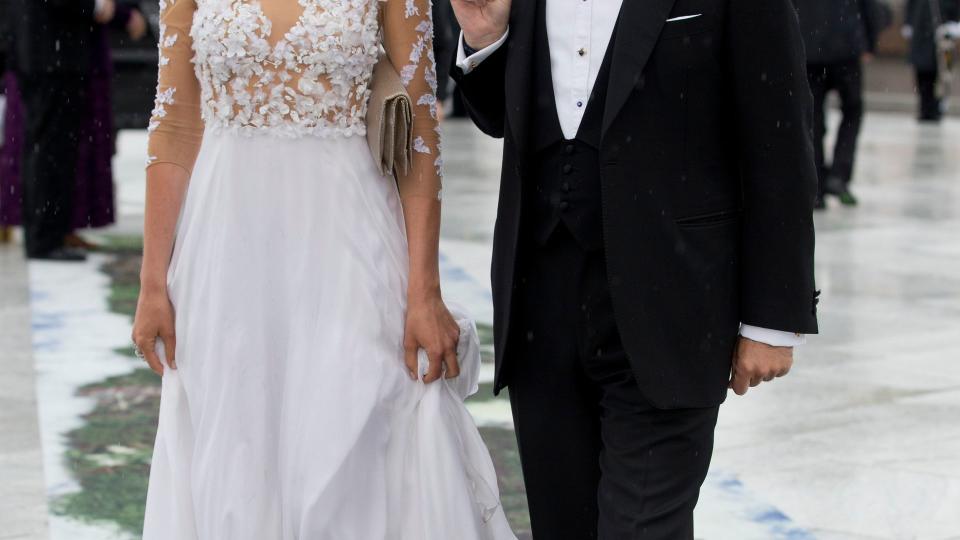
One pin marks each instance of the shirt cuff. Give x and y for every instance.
(470, 63)
(774, 338)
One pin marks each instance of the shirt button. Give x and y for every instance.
(566, 188)
(579, 104)
(582, 51)
(567, 168)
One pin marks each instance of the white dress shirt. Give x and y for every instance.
(579, 32)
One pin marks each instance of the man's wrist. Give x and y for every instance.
(468, 61)
(474, 44)
(468, 50)
(773, 338)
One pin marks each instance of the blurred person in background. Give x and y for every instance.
(445, 38)
(445, 34)
(839, 35)
(5, 45)
(91, 181)
(923, 18)
(11, 151)
(52, 59)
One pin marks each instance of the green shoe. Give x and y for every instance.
(847, 198)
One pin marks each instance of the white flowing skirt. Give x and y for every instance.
(291, 415)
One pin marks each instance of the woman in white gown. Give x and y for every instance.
(287, 287)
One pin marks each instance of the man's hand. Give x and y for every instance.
(483, 21)
(755, 362)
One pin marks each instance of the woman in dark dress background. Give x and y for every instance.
(93, 201)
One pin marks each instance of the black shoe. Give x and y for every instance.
(834, 185)
(62, 254)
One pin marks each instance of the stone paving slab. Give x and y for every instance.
(23, 506)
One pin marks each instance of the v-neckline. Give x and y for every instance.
(284, 38)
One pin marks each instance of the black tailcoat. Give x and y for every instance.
(707, 181)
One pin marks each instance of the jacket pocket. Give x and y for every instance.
(711, 219)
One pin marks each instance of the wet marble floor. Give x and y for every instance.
(861, 441)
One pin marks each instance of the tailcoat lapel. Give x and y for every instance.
(639, 27)
(519, 72)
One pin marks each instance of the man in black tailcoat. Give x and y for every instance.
(654, 231)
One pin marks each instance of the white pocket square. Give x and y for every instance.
(685, 17)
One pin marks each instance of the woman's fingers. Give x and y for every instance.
(154, 321)
(453, 366)
(170, 348)
(410, 359)
(430, 328)
(435, 369)
(149, 349)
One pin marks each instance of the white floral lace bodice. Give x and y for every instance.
(290, 68)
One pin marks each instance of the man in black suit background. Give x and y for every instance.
(654, 239)
(52, 51)
(839, 36)
(923, 18)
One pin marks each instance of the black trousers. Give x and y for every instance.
(931, 107)
(55, 106)
(846, 78)
(598, 460)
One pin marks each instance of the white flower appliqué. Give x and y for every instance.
(312, 81)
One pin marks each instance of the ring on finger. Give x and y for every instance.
(138, 352)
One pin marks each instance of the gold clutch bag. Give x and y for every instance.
(389, 119)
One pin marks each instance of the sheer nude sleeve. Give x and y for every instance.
(408, 40)
(175, 126)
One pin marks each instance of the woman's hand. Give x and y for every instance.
(154, 319)
(431, 327)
